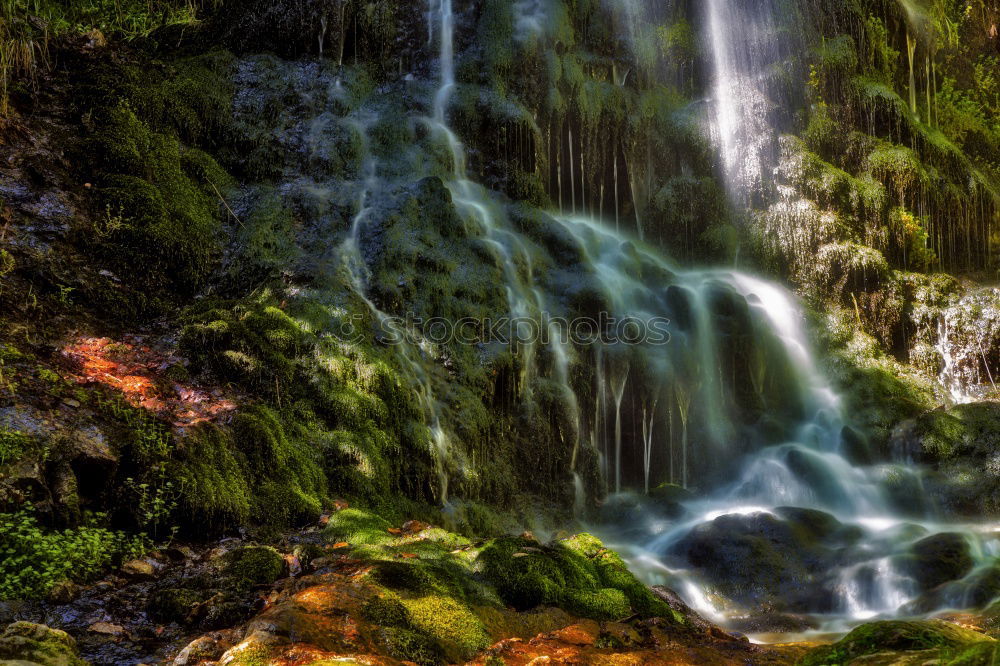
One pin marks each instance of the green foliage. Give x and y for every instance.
(33, 559)
(13, 445)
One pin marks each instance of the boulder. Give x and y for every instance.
(761, 561)
(938, 559)
(253, 565)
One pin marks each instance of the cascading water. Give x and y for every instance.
(725, 420)
(736, 545)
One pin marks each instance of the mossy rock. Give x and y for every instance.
(357, 527)
(893, 636)
(253, 565)
(409, 645)
(449, 623)
(172, 604)
(579, 575)
(386, 611)
(36, 644)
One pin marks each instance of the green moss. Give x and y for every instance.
(615, 574)
(253, 565)
(412, 646)
(279, 457)
(265, 242)
(893, 636)
(24, 642)
(251, 655)
(165, 201)
(212, 473)
(450, 623)
(357, 527)
(385, 611)
(579, 575)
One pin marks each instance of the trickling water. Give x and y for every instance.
(965, 344)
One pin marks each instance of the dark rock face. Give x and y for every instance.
(960, 446)
(761, 561)
(938, 559)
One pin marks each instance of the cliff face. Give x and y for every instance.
(202, 245)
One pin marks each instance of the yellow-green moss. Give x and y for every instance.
(448, 622)
(893, 636)
(25, 642)
(253, 565)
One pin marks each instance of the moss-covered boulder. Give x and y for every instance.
(897, 637)
(253, 565)
(27, 644)
(579, 575)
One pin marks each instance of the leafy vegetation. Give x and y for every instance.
(33, 559)
(27, 28)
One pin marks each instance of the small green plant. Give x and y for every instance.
(111, 223)
(50, 377)
(13, 445)
(34, 559)
(64, 294)
(157, 499)
(7, 265)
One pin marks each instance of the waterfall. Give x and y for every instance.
(745, 53)
(720, 394)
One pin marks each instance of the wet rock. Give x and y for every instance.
(759, 560)
(810, 523)
(940, 558)
(691, 616)
(582, 633)
(139, 570)
(975, 591)
(63, 592)
(38, 644)
(172, 604)
(93, 462)
(205, 648)
(225, 611)
(776, 623)
(180, 553)
(107, 629)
